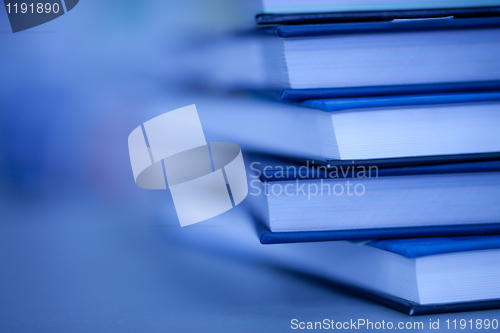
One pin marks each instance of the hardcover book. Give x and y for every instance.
(349, 202)
(414, 276)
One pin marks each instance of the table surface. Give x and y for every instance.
(73, 264)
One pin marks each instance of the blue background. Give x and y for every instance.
(82, 248)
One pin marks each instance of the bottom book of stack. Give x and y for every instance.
(414, 276)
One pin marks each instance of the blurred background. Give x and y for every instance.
(82, 248)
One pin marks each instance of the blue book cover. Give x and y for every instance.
(412, 93)
(338, 104)
(386, 27)
(349, 169)
(360, 16)
(329, 29)
(268, 237)
(421, 247)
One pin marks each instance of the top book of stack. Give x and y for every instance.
(327, 11)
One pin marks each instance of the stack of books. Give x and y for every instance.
(406, 145)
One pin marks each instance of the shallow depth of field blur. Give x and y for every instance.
(82, 248)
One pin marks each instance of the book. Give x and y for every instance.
(414, 276)
(289, 133)
(361, 202)
(360, 14)
(326, 6)
(393, 135)
(318, 61)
